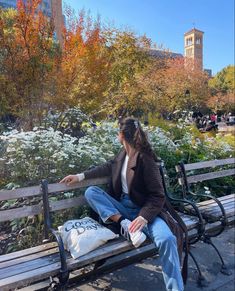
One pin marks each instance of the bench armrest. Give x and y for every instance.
(224, 217)
(201, 228)
(64, 273)
(220, 205)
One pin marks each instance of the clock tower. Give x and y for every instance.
(193, 47)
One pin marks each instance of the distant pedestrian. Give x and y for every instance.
(213, 118)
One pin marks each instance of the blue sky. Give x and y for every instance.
(166, 21)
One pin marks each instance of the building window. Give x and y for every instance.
(189, 41)
(198, 40)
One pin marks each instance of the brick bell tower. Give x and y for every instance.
(193, 47)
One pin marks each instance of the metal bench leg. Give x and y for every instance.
(201, 281)
(224, 269)
(56, 285)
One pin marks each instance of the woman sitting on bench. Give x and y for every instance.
(136, 200)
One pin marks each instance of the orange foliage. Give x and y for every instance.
(170, 79)
(29, 59)
(84, 63)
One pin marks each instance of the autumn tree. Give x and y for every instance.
(222, 88)
(174, 86)
(27, 60)
(128, 60)
(83, 74)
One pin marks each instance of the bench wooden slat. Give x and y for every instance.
(53, 188)
(29, 277)
(215, 216)
(210, 176)
(10, 214)
(211, 203)
(62, 187)
(29, 258)
(208, 164)
(223, 199)
(27, 266)
(229, 210)
(53, 269)
(67, 203)
(212, 209)
(29, 251)
(215, 208)
(20, 193)
(33, 262)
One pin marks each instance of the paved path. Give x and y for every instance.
(145, 276)
(223, 127)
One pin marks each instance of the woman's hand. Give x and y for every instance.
(70, 179)
(137, 224)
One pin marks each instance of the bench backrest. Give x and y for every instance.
(36, 191)
(38, 207)
(19, 211)
(187, 172)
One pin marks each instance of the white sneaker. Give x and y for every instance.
(137, 237)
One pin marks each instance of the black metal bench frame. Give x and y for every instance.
(185, 180)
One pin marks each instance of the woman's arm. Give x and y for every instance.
(99, 171)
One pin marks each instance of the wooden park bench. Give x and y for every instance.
(217, 213)
(37, 264)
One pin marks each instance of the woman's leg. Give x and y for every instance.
(105, 205)
(168, 254)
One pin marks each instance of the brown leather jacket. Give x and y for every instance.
(145, 189)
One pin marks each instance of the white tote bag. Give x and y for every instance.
(81, 236)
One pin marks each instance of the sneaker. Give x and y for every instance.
(137, 237)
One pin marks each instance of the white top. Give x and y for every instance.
(81, 177)
(123, 175)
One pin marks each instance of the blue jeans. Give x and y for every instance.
(106, 206)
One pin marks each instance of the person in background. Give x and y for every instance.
(213, 118)
(136, 200)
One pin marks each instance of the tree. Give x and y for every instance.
(167, 82)
(28, 56)
(223, 81)
(222, 88)
(83, 73)
(128, 61)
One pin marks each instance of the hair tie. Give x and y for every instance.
(136, 123)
